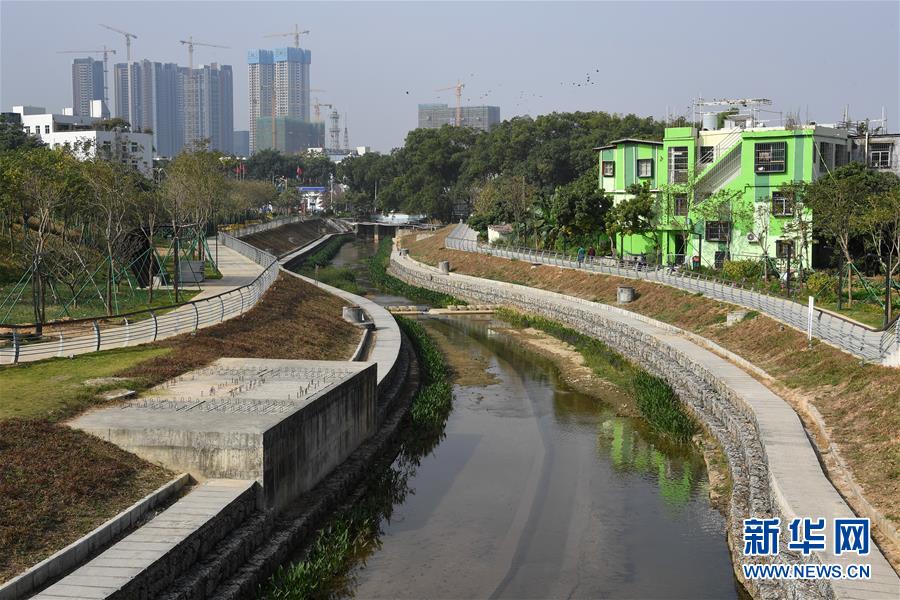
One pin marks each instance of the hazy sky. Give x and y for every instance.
(522, 56)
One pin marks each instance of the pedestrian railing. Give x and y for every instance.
(23, 343)
(268, 225)
(863, 342)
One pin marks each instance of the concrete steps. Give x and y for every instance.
(146, 562)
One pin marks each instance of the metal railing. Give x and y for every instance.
(268, 225)
(852, 337)
(79, 336)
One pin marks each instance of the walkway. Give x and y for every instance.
(152, 556)
(797, 485)
(238, 272)
(849, 336)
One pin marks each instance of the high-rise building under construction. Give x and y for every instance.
(87, 85)
(279, 85)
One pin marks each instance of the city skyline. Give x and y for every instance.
(379, 61)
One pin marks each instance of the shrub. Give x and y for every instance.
(740, 270)
(821, 285)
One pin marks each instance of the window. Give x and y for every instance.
(678, 164)
(784, 248)
(826, 160)
(717, 231)
(880, 156)
(719, 259)
(706, 154)
(134, 146)
(770, 157)
(46, 129)
(27, 129)
(680, 205)
(782, 205)
(645, 167)
(609, 168)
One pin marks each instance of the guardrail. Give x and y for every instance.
(870, 345)
(80, 336)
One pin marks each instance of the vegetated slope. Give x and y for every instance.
(286, 238)
(57, 484)
(857, 401)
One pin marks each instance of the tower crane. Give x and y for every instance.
(296, 33)
(105, 52)
(317, 106)
(128, 38)
(459, 88)
(190, 43)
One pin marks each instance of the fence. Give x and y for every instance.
(273, 224)
(875, 346)
(68, 338)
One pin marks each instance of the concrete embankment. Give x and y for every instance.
(774, 468)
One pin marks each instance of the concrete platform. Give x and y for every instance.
(144, 562)
(284, 423)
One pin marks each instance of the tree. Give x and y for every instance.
(13, 137)
(632, 216)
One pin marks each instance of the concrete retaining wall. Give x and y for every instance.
(760, 457)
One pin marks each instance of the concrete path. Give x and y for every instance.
(237, 271)
(137, 553)
(798, 485)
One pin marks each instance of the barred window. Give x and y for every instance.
(880, 156)
(783, 248)
(645, 167)
(609, 168)
(680, 205)
(707, 154)
(782, 204)
(717, 231)
(678, 164)
(770, 157)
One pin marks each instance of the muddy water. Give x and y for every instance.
(537, 491)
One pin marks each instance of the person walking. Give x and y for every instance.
(591, 253)
(580, 256)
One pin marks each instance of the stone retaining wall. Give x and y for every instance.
(722, 412)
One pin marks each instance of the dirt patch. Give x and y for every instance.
(286, 238)
(858, 402)
(57, 484)
(294, 320)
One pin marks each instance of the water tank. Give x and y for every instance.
(710, 121)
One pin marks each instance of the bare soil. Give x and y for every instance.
(287, 238)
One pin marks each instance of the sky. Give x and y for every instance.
(378, 60)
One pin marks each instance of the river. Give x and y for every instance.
(538, 491)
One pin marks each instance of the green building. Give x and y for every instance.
(720, 192)
(292, 135)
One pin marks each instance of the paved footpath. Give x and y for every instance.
(151, 544)
(798, 485)
(236, 270)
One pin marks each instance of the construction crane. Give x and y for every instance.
(105, 52)
(317, 107)
(296, 33)
(459, 88)
(191, 43)
(128, 38)
(335, 130)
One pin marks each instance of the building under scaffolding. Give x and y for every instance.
(291, 134)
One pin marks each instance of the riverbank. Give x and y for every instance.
(50, 489)
(856, 402)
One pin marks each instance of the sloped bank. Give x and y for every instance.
(774, 469)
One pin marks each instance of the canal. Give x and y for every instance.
(535, 490)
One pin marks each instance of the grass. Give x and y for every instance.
(381, 278)
(57, 484)
(324, 254)
(857, 401)
(339, 277)
(54, 389)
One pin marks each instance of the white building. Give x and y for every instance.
(81, 136)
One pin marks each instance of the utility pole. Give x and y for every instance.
(887, 292)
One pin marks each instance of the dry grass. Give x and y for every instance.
(57, 484)
(859, 403)
(288, 237)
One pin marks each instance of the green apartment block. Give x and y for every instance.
(719, 192)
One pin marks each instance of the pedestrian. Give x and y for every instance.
(580, 256)
(591, 254)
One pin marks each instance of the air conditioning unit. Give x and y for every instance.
(752, 238)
